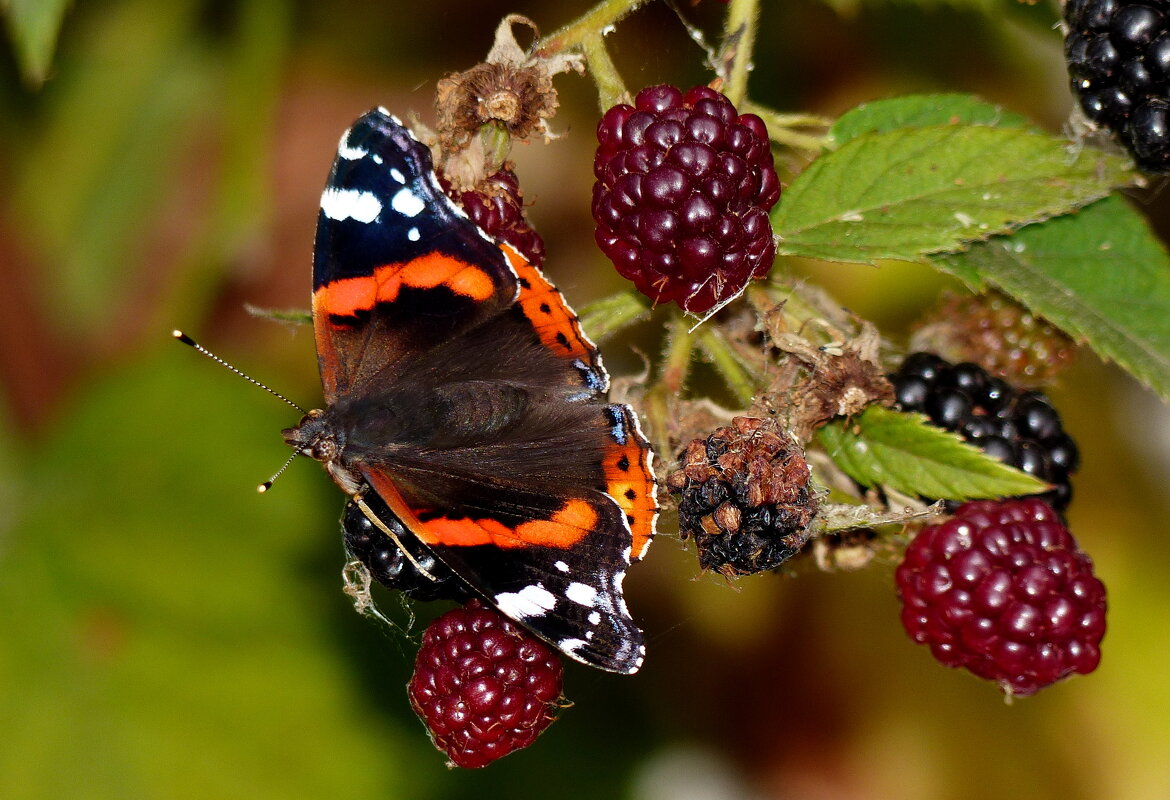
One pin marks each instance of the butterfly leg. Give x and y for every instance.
(380, 525)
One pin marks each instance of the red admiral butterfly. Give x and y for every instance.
(466, 411)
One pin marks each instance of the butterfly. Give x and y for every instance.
(466, 413)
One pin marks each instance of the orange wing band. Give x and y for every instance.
(347, 296)
(571, 523)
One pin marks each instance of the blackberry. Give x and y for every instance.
(744, 497)
(1002, 590)
(388, 564)
(497, 205)
(1018, 428)
(1005, 338)
(483, 686)
(684, 186)
(1118, 54)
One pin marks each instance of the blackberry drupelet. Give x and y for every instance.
(684, 186)
(744, 497)
(1002, 590)
(388, 564)
(1018, 428)
(1118, 54)
(483, 686)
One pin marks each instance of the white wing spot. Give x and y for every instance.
(581, 594)
(561, 565)
(571, 646)
(594, 618)
(397, 175)
(407, 203)
(531, 601)
(377, 159)
(339, 204)
(413, 235)
(350, 153)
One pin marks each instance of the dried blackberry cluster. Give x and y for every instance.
(388, 564)
(1018, 428)
(684, 186)
(1002, 590)
(483, 686)
(744, 497)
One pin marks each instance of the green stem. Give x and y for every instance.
(610, 88)
(677, 359)
(676, 362)
(739, 37)
(603, 318)
(596, 21)
(780, 127)
(738, 378)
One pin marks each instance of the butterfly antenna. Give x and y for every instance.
(264, 487)
(187, 340)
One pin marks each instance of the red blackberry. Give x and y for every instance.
(684, 185)
(483, 686)
(497, 206)
(744, 497)
(1003, 590)
(1118, 54)
(388, 564)
(1019, 428)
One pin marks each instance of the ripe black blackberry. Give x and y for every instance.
(1002, 590)
(388, 564)
(483, 686)
(1018, 428)
(684, 186)
(744, 497)
(497, 206)
(1118, 54)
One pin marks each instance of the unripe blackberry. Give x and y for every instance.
(1002, 590)
(744, 497)
(684, 186)
(388, 564)
(1018, 428)
(483, 686)
(1118, 54)
(497, 206)
(999, 334)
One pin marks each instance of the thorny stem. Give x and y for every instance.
(594, 22)
(738, 378)
(735, 54)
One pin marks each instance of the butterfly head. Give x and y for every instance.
(317, 437)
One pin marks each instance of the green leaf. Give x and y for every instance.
(906, 193)
(919, 111)
(1099, 275)
(33, 26)
(882, 447)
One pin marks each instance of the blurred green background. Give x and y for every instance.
(165, 632)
